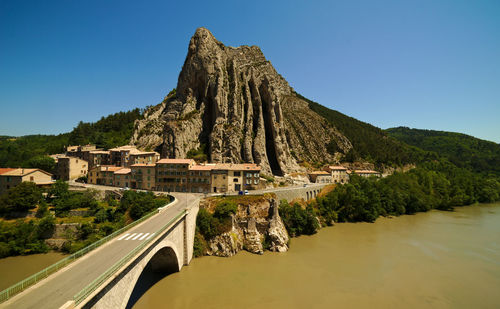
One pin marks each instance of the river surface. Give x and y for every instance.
(428, 260)
(16, 268)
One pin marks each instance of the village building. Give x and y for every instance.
(251, 176)
(172, 174)
(71, 168)
(367, 173)
(11, 177)
(56, 156)
(234, 177)
(129, 155)
(81, 152)
(199, 178)
(338, 173)
(143, 176)
(98, 157)
(123, 177)
(102, 175)
(120, 156)
(320, 177)
(143, 157)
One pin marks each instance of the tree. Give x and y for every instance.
(45, 163)
(22, 197)
(59, 190)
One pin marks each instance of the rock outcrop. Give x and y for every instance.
(255, 227)
(232, 102)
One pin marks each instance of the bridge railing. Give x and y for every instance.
(89, 289)
(44, 273)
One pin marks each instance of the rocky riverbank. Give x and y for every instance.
(254, 226)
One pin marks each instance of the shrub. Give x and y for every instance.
(225, 209)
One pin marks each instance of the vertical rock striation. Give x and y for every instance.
(233, 102)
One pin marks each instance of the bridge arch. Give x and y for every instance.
(163, 260)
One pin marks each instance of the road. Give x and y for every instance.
(59, 288)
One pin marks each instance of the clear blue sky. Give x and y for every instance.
(424, 64)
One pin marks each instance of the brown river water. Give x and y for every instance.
(16, 268)
(428, 260)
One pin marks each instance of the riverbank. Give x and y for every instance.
(435, 259)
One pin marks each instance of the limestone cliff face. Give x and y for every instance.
(256, 225)
(234, 102)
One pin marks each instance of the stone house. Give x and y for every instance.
(120, 156)
(102, 175)
(98, 157)
(143, 157)
(142, 176)
(338, 173)
(70, 168)
(172, 174)
(320, 177)
(81, 152)
(199, 178)
(123, 177)
(367, 173)
(11, 177)
(234, 177)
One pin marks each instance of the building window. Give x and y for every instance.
(235, 180)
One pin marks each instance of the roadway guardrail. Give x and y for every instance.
(44, 273)
(89, 289)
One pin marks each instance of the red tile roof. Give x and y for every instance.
(109, 168)
(319, 173)
(237, 167)
(24, 171)
(366, 172)
(5, 170)
(123, 171)
(175, 161)
(201, 167)
(337, 167)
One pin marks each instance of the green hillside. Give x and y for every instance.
(460, 149)
(369, 142)
(110, 131)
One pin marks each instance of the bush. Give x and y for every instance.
(297, 220)
(225, 209)
(208, 225)
(45, 227)
(22, 197)
(199, 245)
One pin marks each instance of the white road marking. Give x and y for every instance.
(144, 236)
(150, 236)
(130, 236)
(138, 235)
(123, 236)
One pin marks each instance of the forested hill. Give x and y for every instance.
(462, 150)
(110, 131)
(369, 142)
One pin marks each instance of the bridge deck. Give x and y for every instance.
(62, 286)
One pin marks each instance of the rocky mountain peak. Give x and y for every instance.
(231, 102)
